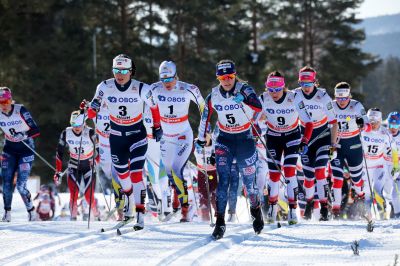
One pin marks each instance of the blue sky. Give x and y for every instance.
(373, 8)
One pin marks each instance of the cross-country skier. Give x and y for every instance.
(108, 176)
(319, 106)
(351, 117)
(378, 147)
(19, 129)
(284, 139)
(47, 205)
(173, 98)
(206, 169)
(235, 103)
(159, 190)
(125, 98)
(393, 121)
(81, 142)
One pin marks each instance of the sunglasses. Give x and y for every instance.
(76, 125)
(5, 102)
(166, 80)
(275, 89)
(227, 76)
(306, 84)
(120, 71)
(393, 125)
(342, 99)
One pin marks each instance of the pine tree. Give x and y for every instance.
(321, 34)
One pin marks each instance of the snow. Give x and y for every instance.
(174, 243)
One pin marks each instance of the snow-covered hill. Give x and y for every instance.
(174, 243)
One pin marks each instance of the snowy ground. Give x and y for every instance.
(308, 243)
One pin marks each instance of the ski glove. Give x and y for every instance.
(332, 152)
(199, 145)
(238, 98)
(303, 148)
(83, 105)
(95, 105)
(19, 137)
(157, 133)
(56, 178)
(395, 170)
(360, 122)
(212, 159)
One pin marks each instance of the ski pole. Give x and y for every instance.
(78, 165)
(62, 174)
(207, 187)
(38, 155)
(265, 146)
(92, 177)
(320, 135)
(369, 179)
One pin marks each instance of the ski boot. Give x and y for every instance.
(231, 217)
(324, 212)
(139, 219)
(272, 212)
(219, 228)
(31, 214)
(6, 216)
(185, 213)
(309, 209)
(258, 222)
(292, 216)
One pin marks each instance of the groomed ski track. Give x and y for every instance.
(70, 243)
(174, 243)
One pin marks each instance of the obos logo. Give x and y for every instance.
(112, 99)
(218, 107)
(11, 123)
(147, 120)
(313, 107)
(271, 111)
(171, 99)
(227, 107)
(366, 138)
(127, 100)
(103, 117)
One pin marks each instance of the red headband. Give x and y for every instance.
(307, 75)
(275, 82)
